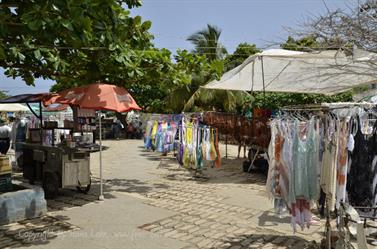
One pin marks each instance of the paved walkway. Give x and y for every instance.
(151, 202)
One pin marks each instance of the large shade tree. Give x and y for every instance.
(68, 39)
(81, 42)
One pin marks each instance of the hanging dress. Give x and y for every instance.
(216, 144)
(329, 163)
(360, 178)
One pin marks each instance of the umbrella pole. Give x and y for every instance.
(101, 198)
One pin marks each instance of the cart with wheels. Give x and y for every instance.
(56, 167)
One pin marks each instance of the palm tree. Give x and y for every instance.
(212, 99)
(206, 41)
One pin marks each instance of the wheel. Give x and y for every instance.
(85, 189)
(50, 185)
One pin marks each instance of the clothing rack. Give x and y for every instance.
(326, 109)
(327, 106)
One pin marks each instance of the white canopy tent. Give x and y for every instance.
(278, 70)
(13, 108)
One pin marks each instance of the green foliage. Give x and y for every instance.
(242, 52)
(206, 42)
(69, 39)
(81, 42)
(307, 43)
(3, 94)
(192, 71)
(278, 100)
(229, 101)
(218, 100)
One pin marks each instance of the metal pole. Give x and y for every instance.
(101, 198)
(41, 122)
(264, 88)
(226, 146)
(40, 114)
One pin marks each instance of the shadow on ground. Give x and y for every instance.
(69, 198)
(34, 232)
(230, 172)
(267, 219)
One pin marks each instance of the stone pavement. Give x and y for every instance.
(34, 231)
(206, 220)
(151, 202)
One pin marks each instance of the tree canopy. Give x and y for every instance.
(228, 101)
(82, 42)
(69, 39)
(307, 43)
(207, 42)
(242, 52)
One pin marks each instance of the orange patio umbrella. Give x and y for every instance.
(98, 96)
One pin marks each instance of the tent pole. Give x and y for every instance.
(41, 122)
(101, 198)
(40, 114)
(226, 146)
(264, 88)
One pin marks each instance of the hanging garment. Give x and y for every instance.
(153, 134)
(293, 172)
(212, 147)
(208, 144)
(329, 164)
(342, 164)
(360, 178)
(199, 152)
(181, 144)
(271, 161)
(188, 145)
(216, 144)
(169, 142)
(204, 143)
(373, 150)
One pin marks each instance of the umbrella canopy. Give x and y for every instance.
(278, 70)
(96, 96)
(56, 107)
(13, 108)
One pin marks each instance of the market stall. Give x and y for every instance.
(326, 152)
(97, 96)
(48, 153)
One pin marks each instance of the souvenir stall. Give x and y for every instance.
(303, 147)
(327, 154)
(252, 132)
(48, 153)
(96, 96)
(194, 143)
(161, 132)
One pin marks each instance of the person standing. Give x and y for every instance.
(117, 128)
(5, 132)
(18, 135)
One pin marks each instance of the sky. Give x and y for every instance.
(260, 22)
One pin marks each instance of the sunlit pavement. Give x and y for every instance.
(152, 202)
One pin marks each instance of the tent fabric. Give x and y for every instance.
(13, 108)
(96, 96)
(56, 108)
(25, 98)
(327, 72)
